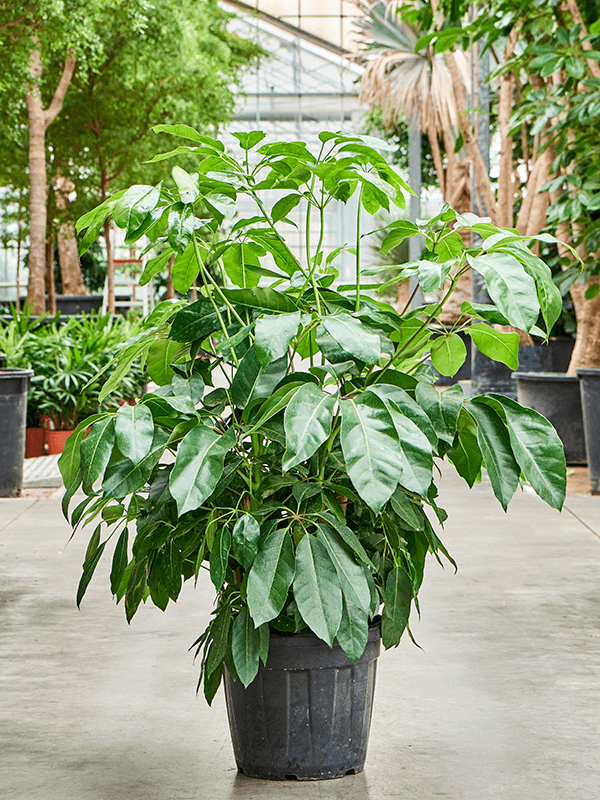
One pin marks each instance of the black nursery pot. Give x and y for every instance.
(589, 384)
(556, 396)
(14, 385)
(307, 714)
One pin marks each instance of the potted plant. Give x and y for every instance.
(289, 447)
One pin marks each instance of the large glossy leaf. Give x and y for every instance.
(187, 185)
(371, 449)
(134, 428)
(263, 299)
(130, 210)
(161, 355)
(124, 477)
(396, 611)
(442, 408)
(496, 451)
(96, 449)
(270, 577)
(354, 337)
(348, 536)
(219, 556)
(252, 381)
(549, 295)
(495, 344)
(245, 647)
(198, 466)
(350, 574)
(185, 270)
(307, 423)
(353, 633)
(244, 542)
(274, 334)
(70, 460)
(155, 265)
(510, 287)
(448, 354)
(536, 447)
(180, 226)
(316, 589)
(196, 321)
(466, 455)
(414, 449)
(282, 255)
(409, 407)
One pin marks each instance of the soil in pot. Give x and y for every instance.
(14, 385)
(56, 441)
(589, 384)
(307, 715)
(556, 396)
(34, 442)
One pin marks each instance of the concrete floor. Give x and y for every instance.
(503, 701)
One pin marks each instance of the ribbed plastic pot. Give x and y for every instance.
(307, 715)
(14, 385)
(589, 384)
(556, 396)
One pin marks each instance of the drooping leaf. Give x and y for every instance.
(134, 428)
(536, 447)
(219, 556)
(348, 536)
(185, 270)
(307, 423)
(155, 265)
(511, 288)
(93, 556)
(496, 451)
(96, 449)
(270, 577)
(316, 589)
(119, 562)
(274, 334)
(351, 575)
(495, 344)
(396, 611)
(406, 510)
(161, 354)
(180, 226)
(353, 633)
(244, 544)
(70, 460)
(124, 477)
(198, 466)
(466, 454)
(442, 408)
(370, 445)
(245, 646)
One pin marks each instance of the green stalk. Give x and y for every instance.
(357, 303)
(208, 277)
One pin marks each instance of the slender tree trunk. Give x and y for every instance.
(586, 352)
(39, 120)
(50, 289)
(505, 187)
(170, 293)
(68, 254)
(110, 264)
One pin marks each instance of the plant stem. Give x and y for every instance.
(357, 303)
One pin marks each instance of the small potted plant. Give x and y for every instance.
(289, 446)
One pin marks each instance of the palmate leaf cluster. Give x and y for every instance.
(289, 447)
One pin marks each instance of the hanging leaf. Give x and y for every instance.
(219, 556)
(198, 466)
(270, 577)
(185, 270)
(245, 647)
(510, 287)
(442, 408)
(351, 575)
(466, 454)
(498, 458)
(317, 590)
(353, 633)
(274, 334)
(448, 354)
(134, 428)
(244, 544)
(252, 381)
(96, 449)
(396, 611)
(181, 225)
(307, 423)
(495, 344)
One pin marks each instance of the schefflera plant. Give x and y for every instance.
(289, 447)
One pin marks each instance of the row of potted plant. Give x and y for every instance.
(289, 451)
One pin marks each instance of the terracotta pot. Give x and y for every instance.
(56, 441)
(34, 442)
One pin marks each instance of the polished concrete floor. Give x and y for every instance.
(501, 703)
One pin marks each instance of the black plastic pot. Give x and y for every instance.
(589, 384)
(556, 396)
(14, 385)
(307, 715)
(78, 303)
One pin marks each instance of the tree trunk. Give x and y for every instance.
(170, 293)
(586, 352)
(110, 269)
(50, 288)
(68, 255)
(505, 187)
(39, 120)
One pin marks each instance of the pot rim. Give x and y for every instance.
(588, 372)
(546, 377)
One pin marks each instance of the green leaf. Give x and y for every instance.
(466, 455)
(219, 634)
(536, 447)
(397, 597)
(198, 466)
(510, 287)
(185, 270)
(409, 407)
(592, 291)
(124, 477)
(401, 230)
(249, 140)
(354, 337)
(219, 556)
(187, 185)
(161, 354)
(70, 459)
(549, 296)
(432, 275)
(186, 132)
(246, 533)
(496, 451)
(495, 344)
(370, 445)
(270, 577)
(196, 321)
(316, 589)
(252, 381)
(180, 226)
(282, 255)
(283, 206)
(307, 423)
(353, 633)
(119, 562)
(442, 408)
(406, 511)
(130, 210)
(245, 646)
(351, 575)
(448, 354)
(96, 449)
(93, 556)
(134, 428)
(155, 265)
(242, 264)
(262, 299)
(274, 334)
